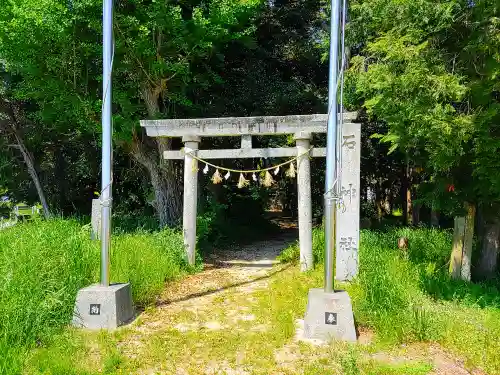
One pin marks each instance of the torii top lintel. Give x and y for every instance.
(235, 126)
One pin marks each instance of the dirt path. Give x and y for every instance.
(238, 270)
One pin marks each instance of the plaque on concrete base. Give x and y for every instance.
(103, 307)
(329, 316)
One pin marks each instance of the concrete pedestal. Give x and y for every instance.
(329, 316)
(103, 307)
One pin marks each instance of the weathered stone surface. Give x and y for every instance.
(96, 219)
(303, 141)
(103, 307)
(329, 316)
(242, 153)
(232, 126)
(348, 217)
(347, 241)
(190, 198)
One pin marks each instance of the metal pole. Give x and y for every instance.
(332, 147)
(106, 194)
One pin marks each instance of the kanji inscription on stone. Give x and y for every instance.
(330, 318)
(348, 193)
(95, 309)
(347, 241)
(349, 141)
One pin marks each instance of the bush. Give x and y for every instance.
(43, 264)
(241, 219)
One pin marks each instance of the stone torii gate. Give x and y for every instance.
(302, 127)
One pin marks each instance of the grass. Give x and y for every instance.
(261, 345)
(407, 296)
(404, 298)
(44, 263)
(292, 253)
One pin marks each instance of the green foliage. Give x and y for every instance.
(147, 271)
(427, 70)
(44, 263)
(409, 297)
(380, 368)
(463, 330)
(171, 60)
(5, 208)
(388, 295)
(350, 363)
(210, 225)
(235, 218)
(387, 292)
(292, 253)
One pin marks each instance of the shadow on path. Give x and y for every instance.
(223, 288)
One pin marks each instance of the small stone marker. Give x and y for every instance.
(329, 316)
(103, 307)
(95, 219)
(347, 242)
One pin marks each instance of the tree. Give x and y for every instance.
(13, 129)
(429, 71)
(55, 47)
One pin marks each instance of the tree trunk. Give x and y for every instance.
(409, 207)
(434, 218)
(380, 210)
(460, 262)
(387, 204)
(33, 173)
(468, 240)
(404, 194)
(166, 177)
(415, 215)
(488, 258)
(457, 247)
(165, 181)
(12, 125)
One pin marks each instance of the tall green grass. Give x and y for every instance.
(44, 263)
(292, 253)
(408, 296)
(388, 293)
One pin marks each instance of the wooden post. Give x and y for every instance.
(463, 234)
(189, 213)
(468, 239)
(303, 141)
(457, 247)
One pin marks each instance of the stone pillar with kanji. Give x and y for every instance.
(347, 242)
